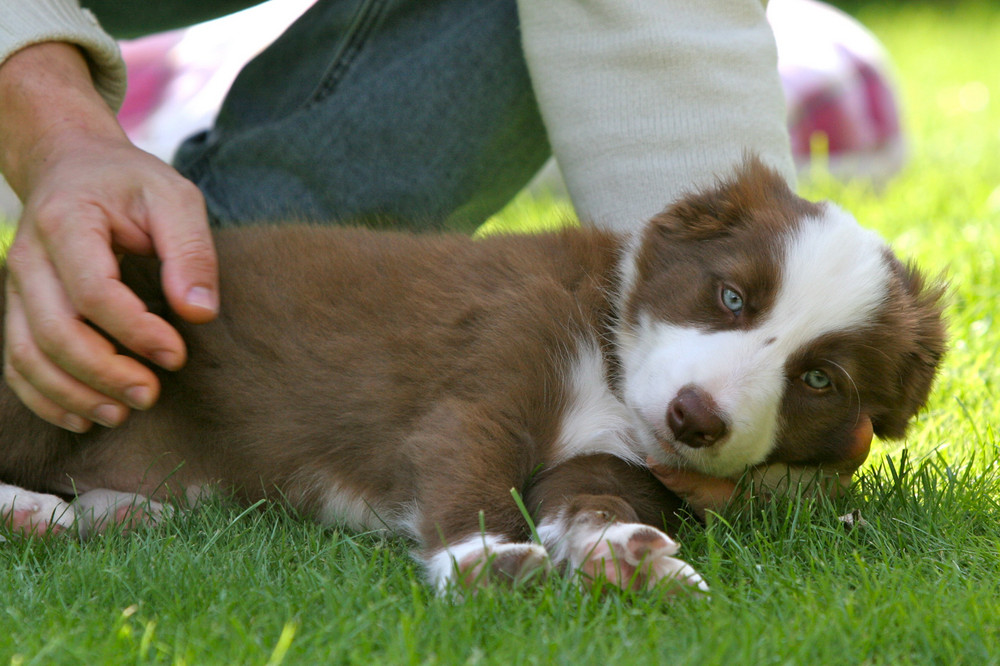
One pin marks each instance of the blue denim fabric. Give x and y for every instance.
(415, 113)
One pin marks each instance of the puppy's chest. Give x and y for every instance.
(593, 419)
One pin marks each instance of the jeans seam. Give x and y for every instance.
(365, 20)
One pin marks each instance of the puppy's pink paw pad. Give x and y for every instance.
(35, 514)
(634, 556)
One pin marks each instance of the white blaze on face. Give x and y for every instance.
(832, 279)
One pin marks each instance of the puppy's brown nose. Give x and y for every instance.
(694, 418)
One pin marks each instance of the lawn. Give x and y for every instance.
(920, 583)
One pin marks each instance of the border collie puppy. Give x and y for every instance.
(380, 379)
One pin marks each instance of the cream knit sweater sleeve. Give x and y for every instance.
(27, 22)
(646, 99)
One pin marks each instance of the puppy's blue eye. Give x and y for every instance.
(816, 379)
(732, 300)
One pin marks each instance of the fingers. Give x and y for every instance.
(702, 493)
(184, 244)
(58, 364)
(39, 404)
(79, 263)
(705, 493)
(860, 444)
(60, 367)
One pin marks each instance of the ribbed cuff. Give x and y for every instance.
(27, 22)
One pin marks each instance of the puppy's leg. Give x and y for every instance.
(470, 528)
(601, 517)
(599, 537)
(97, 510)
(27, 513)
(479, 537)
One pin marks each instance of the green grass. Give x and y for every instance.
(919, 584)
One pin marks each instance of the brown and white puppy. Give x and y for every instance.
(412, 381)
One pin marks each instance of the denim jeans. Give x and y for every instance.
(414, 113)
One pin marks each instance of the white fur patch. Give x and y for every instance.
(443, 567)
(336, 504)
(340, 506)
(627, 269)
(406, 520)
(833, 277)
(594, 420)
(552, 532)
(25, 508)
(197, 493)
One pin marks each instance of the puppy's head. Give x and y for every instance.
(758, 327)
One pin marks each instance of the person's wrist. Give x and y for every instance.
(47, 104)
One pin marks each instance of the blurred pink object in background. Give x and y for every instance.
(842, 110)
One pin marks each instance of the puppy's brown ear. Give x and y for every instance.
(918, 327)
(733, 202)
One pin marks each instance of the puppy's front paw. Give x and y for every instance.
(635, 556)
(25, 513)
(628, 555)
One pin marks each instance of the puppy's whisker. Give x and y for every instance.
(854, 386)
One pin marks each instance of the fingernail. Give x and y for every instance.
(165, 359)
(108, 416)
(139, 397)
(202, 297)
(75, 423)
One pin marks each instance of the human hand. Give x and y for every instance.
(88, 194)
(704, 494)
(701, 492)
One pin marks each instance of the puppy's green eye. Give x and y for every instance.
(732, 300)
(816, 379)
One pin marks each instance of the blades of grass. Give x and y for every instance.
(527, 516)
(218, 534)
(284, 643)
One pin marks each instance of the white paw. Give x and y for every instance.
(97, 510)
(26, 513)
(630, 556)
(480, 560)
